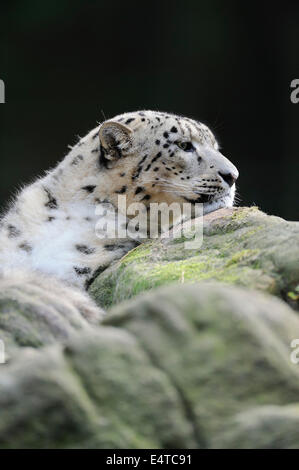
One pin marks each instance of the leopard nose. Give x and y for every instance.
(229, 178)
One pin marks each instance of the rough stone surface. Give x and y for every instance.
(202, 365)
(241, 246)
(31, 316)
(99, 391)
(196, 364)
(227, 351)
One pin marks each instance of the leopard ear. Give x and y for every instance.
(115, 139)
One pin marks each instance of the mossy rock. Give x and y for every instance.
(227, 350)
(241, 246)
(189, 366)
(200, 363)
(32, 317)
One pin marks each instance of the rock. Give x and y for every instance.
(31, 315)
(203, 365)
(227, 350)
(241, 246)
(196, 364)
(99, 391)
(265, 427)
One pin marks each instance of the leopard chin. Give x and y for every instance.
(214, 204)
(201, 198)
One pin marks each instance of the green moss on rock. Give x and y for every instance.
(240, 246)
(188, 366)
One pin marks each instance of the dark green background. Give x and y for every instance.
(227, 63)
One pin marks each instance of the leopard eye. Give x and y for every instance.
(186, 146)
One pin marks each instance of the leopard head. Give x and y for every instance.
(166, 158)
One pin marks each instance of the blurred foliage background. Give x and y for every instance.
(228, 64)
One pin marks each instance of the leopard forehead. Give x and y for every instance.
(167, 126)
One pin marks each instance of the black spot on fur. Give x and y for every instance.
(13, 232)
(102, 201)
(141, 161)
(156, 157)
(121, 190)
(146, 197)
(122, 175)
(139, 189)
(77, 159)
(129, 120)
(148, 167)
(113, 247)
(166, 135)
(25, 247)
(156, 168)
(139, 168)
(89, 188)
(82, 271)
(50, 219)
(173, 129)
(158, 142)
(85, 249)
(52, 202)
